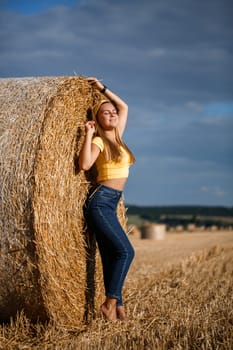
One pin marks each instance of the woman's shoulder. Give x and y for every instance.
(98, 141)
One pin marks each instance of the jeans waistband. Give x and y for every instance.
(110, 189)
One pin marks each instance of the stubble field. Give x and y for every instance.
(178, 295)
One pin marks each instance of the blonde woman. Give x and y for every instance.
(103, 146)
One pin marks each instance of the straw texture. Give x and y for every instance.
(48, 261)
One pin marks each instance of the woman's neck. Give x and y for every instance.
(110, 135)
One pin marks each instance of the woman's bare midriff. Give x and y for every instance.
(117, 184)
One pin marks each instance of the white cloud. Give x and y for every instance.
(214, 191)
(157, 52)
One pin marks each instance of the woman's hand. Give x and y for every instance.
(90, 127)
(95, 82)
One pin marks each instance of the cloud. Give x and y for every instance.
(218, 192)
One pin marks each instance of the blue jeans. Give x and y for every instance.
(115, 248)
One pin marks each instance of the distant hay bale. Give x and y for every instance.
(47, 258)
(153, 231)
(213, 228)
(191, 227)
(179, 228)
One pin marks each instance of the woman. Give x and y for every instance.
(103, 146)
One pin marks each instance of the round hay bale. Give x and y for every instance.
(179, 228)
(153, 231)
(47, 259)
(213, 228)
(191, 227)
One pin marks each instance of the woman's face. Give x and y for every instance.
(108, 116)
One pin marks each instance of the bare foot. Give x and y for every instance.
(108, 309)
(121, 313)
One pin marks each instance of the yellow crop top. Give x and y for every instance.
(108, 170)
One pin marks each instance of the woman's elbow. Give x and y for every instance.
(125, 107)
(84, 166)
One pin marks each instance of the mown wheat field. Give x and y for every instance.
(178, 295)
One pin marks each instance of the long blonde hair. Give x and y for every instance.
(112, 151)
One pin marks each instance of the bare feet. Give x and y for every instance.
(121, 313)
(108, 309)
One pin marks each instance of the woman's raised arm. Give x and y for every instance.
(122, 107)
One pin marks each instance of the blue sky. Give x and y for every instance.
(171, 60)
(30, 7)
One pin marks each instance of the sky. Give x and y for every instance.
(170, 60)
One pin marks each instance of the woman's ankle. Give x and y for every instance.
(108, 309)
(110, 302)
(121, 315)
